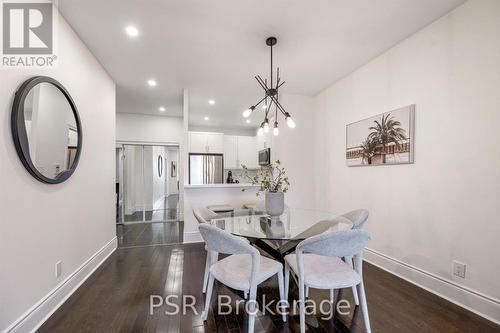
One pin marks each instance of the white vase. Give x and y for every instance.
(275, 203)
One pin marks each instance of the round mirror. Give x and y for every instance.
(46, 129)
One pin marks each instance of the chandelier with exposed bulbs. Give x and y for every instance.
(271, 96)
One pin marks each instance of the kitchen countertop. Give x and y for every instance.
(234, 185)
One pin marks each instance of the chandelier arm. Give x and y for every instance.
(276, 105)
(259, 102)
(269, 108)
(279, 105)
(278, 79)
(282, 83)
(261, 83)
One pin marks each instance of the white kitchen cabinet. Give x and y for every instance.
(263, 142)
(215, 143)
(197, 142)
(248, 152)
(204, 142)
(231, 152)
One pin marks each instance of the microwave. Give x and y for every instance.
(265, 157)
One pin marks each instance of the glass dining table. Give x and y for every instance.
(279, 236)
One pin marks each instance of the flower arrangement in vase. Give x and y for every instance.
(274, 183)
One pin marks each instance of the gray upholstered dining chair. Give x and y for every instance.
(358, 219)
(202, 215)
(317, 263)
(243, 270)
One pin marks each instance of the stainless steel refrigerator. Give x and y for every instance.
(206, 169)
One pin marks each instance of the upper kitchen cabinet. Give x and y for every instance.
(204, 142)
(231, 152)
(248, 152)
(263, 142)
(215, 142)
(240, 150)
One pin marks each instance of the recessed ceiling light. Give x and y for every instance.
(162, 109)
(152, 83)
(248, 121)
(132, 31)
(211, 102)
(206, 118)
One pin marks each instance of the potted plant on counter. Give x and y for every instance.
(274, 183)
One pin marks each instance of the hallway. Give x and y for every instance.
(167, 212)
(148, 234)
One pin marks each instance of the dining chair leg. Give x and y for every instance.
(349, 261)
(207, 270)
(252, 308)
(208, 296)
(364, 307)
(302, 308)
(355, 295)
(282, 293)
(332, 296)
(245, 294)
(287, 280)
(307, 291)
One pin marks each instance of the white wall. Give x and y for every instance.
(72, 221)
(294, 147)
(150, 129)
(446, 205)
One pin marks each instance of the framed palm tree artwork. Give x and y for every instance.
(387, 138)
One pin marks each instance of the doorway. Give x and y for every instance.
(147, 184)
(147, 192)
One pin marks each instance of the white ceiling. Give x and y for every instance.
(214, 48)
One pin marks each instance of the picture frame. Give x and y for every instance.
(384, 139)
(173, 169)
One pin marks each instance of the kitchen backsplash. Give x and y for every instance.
(239, 174)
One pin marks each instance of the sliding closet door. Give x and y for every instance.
(154, 180)
(133, 183)
(150, 183)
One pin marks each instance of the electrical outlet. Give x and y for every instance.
(459, 269)
(58, 269)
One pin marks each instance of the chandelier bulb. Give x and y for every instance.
(260, 131)
(266, 125)
(276, 130)
(248, 112)
(289, 120)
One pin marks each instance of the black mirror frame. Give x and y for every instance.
(20, 136)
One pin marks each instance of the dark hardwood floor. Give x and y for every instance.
(165, 212)
(144, 234)
(116, 298)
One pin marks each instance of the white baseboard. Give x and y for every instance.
(472, 300)
(192, 237)
(32, 319)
